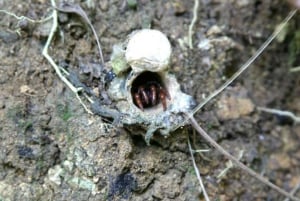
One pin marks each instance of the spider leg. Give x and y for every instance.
(138, 101)
(153, 94)
(162, 97)
(165, 92)
(144, 95)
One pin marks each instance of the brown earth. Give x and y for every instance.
(51, 149)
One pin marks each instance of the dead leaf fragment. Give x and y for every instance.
(25, 89)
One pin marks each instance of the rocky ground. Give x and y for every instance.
(52, 149)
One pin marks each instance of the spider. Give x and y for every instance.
(148, 91)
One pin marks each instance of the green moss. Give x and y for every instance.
(191, 171)
(118, 62)
(64, 112)
(294, 48)
(132, 4)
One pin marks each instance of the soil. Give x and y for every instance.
(52, 149)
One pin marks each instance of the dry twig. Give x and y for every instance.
(293, 191)
(197, 172)
(242, 68)
(236, 161)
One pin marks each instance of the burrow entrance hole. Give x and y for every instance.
(146, 88)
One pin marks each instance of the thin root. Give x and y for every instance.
(295, 69)
(229, 165)
(20, 18)
(237, 162)
(57, 69)
(294, 190)
(295, 118)
(241, 69)
(248, 63)
(195, 16)
(197, 172)
(74, 8)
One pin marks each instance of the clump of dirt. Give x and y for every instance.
(51, 149)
